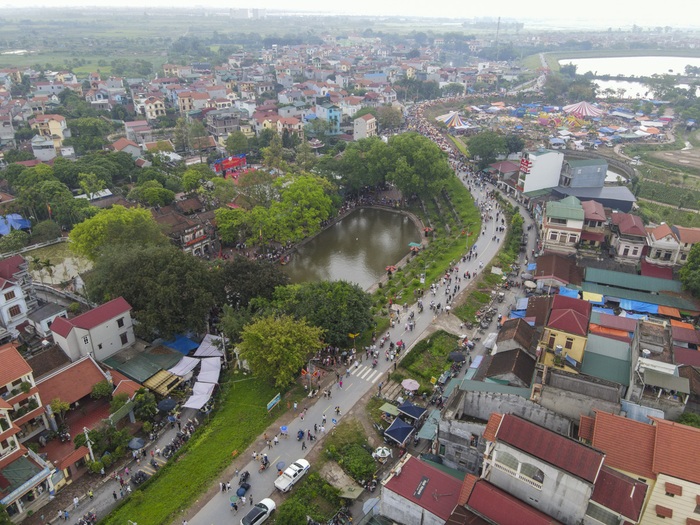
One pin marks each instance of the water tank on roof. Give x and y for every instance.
(646, 353)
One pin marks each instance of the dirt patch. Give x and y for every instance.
(683, 158)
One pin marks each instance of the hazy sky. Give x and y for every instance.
(603, 13)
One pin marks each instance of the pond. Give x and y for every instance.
(357, 248)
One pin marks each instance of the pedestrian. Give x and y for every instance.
(276, 439)
(234, 507)
(337, 411)
(340, 384)
(121, 492)
(221, 485)
(250, 498)
(158, 452)
(302, 415)
(303, 445)
(228, 486)
(60, 514)
(114, 495)
(323, 422)
(66, 516)
(184, 522)
(128, 489)
(126, 471)
(315, 428)
(76, 502)
(323, 429)
(90, 494)
(295, 406)
(242, 500)
(255, 456)
(269, 444)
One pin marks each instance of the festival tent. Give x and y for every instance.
(184, 366)
(583, 109)
(398, 431)
(411, 410)
(182, 344)
(211, 368)
(209, 347)
(452, 120)
(201, 392)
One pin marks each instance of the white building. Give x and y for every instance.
(364, 127)
(540, 170)
(101, 332)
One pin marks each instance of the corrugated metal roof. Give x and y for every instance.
(666, 381)
(478, 386)
(580, 163)
(564, 210)
(609, 347)
(645, 297)
(606, 367)
(632, 281)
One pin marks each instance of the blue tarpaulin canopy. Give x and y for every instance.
(181, 344)
(13, 221)
(568, 292)
(517, 314)
(531, 267)
(608, 311)
(412, 410)
(399, 431)
(638, 306)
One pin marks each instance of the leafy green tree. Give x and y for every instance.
(90, 184)
(305, 158)
(689, 418)
(114, 227)
(59, 408)
(292, 512)
(191, 180)
(388, 117)
(170, 291)
(304, 204)
(232, 224)
(101, 389)
(690, 273)
(514, 143)
(421, 166)
(273, 155)
(240, 280)
(152, 193)
(4, 516)
(45, 231)
(145, 406)
(339, 308)
(237, 143)
(487, 146)
(117, 402)
(276, 348)
(87, 134)
(13, 241)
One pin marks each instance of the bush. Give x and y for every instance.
(147, 427)
(74, 308)
(357, 462)
(95, 467)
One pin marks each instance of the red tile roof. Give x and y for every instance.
(504, 509)
(560, 451)
(123, 385)
(467, 487)
(672, 450)
(427, 487)
(13, 364)
(686, 356)
(629, 224)
(593, 210)
(492, 426)
(123, 143)
(618, 453)
(622, 494)
(685, 335)
(652, 270)
(77, 454)
(585, 427)
(569, 315)
(619, 323)
(93, 318)
(72, 383)
(10, 266)
(688, 235)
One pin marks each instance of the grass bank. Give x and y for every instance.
(427, 360)
(241, 418)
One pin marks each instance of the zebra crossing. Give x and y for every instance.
(366, 373)
(148, 468)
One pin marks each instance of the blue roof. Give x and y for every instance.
(411, 410)
(182, 344)
(399, 431)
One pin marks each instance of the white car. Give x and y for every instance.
(291, 475)
(259, 513)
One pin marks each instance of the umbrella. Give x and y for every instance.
(382, 453)
(414, 244)
(526, 275)
(448, 308)
(390, 268)
(172, 419)
(410, 384)
(529, 284)
(344, 354)
(283, 429)
(457, 357)
(167, 404)
(136, 443)
(279, 465)
(415, 249)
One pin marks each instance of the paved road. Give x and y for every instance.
(356, 385)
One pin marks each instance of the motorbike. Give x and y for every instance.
(264, 466)
(300, 435)
(244, 477)
(374, 364)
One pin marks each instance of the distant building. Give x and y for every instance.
(584, 173)
(539, 170)
(562, 225)
(364, 127)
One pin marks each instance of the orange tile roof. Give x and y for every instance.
(466, 490)
(673, 450)
(72, 383)
(492, 426)
(585, 427)
(123, 385)
(13, 364)
(607, 436)
(688, 235)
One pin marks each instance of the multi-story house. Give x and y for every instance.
(364, 127)
(18, 294)
(100, 333)
(562, 225)
(687, 238)
(539, 170)
(664, 247)
(43, 148)
(7, 131)
(594, 225)
(52, 126)
(628, 237)
(221, 123)
(187, 225)
(26, 476)
(584, 173)
(331, 114)
(153, 107)
(563, 341)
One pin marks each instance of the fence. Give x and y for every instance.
(34, 247)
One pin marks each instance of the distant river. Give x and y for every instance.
(645, 66)
(357, 249)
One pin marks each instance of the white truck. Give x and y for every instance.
(291, 475)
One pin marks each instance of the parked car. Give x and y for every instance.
(291, 475)
(259, 513)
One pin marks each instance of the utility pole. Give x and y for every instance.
(89, 444)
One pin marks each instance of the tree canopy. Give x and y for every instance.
(421, 166)
(690, 272)
(116, 226)
(487, 145)
(277, 347)
(170, 291)
(240, 280)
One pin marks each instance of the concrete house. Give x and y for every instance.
(539, 170)
(583, 173)
(364, 127)
(664, 246)
(562, 225)
(101, 332)
(628, 237)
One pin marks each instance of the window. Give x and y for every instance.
(15, 311)
(572, 238)
(663, 512)
(99, 347)
(442, 450)
(10, 295)
(508, 460)
(553, 236)
(569, 343)
(86, 340)
(532, 472)
(552, 340)
(673, 490)
(124, 338)
(120, 322)
(635, 251)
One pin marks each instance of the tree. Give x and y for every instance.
(304, 204)
(292, 512)
(90, 184)
(59, 408)
(152, 193)
(45, 231)
(4, 516)
(101, 389)
(514, 143)
(690, 272)
(255, 188)
(487, 145)
(388, 117)
(144, 405)
(191, 180)
(240, 280)
(690, 419)
(338, 308)
(87, 134)
(13, 241)
(116, 226)
(276, 348)
(170, 291)
(272, 155)
(237, 143)
(421, 166)
(305, 158)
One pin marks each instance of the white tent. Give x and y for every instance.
(211, 368)
(184, 366)
(209, 347)
(201, 392)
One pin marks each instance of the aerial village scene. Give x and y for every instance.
(396, 269)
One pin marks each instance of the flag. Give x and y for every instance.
(48, 207)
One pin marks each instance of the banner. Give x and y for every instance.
(233, 161)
